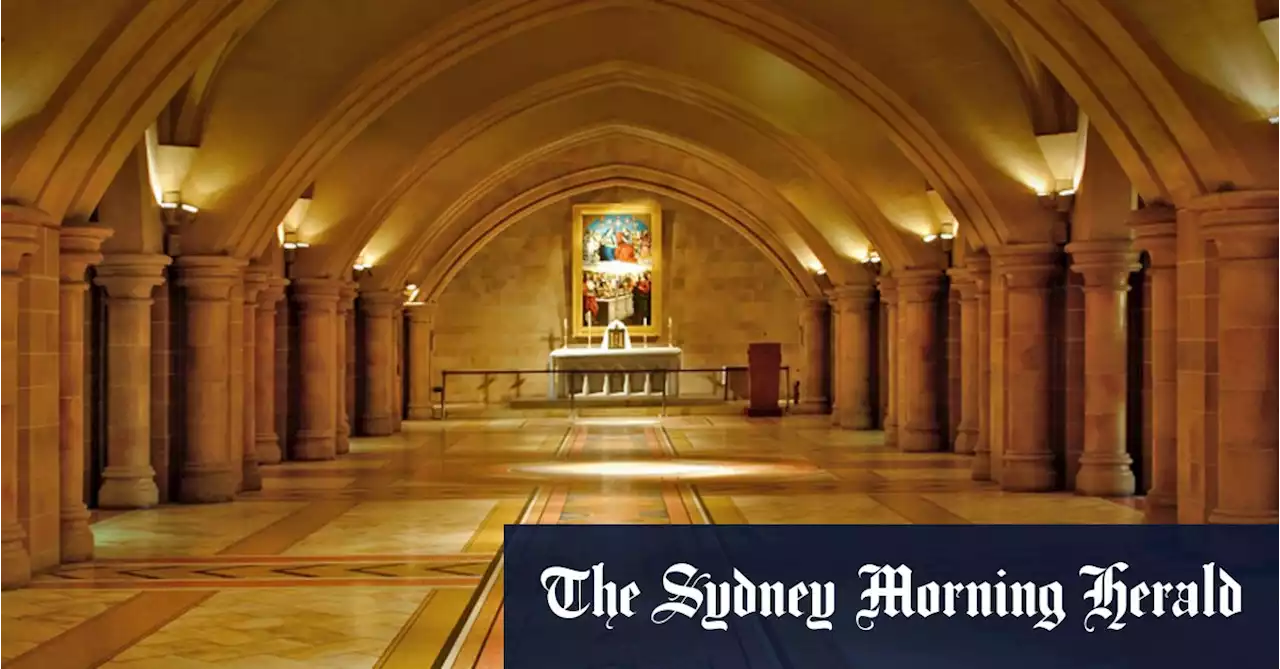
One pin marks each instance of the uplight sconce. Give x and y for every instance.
(361, 267)
(175, 214)
(290, 242)
(411, 292)
(1060, 201)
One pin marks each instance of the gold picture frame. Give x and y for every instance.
(624, 271)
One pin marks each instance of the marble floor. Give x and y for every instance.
(390, 556)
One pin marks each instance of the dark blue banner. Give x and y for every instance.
(893, 597)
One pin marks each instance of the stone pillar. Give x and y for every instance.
(128, 481)
(964, 283)
(421, 322)
(1244, 227)
(853, 352)
(342, 429)
(349, 323)
(814, 395)
(236, 378)
(889, 295)
(1155, 231)
(254, 281)
(79, 248)
(15, 562)
(266, 441)
(919, 357)
(1029, 272)
(208, 470)
(397, 385)
(1106, 469)
(318, 377)
(378, 309)
(979, 271)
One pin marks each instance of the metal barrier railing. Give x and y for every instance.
(572, 378)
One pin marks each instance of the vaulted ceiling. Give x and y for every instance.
(419, 129)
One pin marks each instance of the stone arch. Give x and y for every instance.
(616, 74)
(101, 111)
(784, 217)
(494, 222)
(1164, 149)
(471, 31)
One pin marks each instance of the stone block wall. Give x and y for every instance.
(506, 308)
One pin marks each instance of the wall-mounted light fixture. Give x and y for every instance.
(1059, 201)
(290, 242)
(362, 264)
(411, 292)
(175, 215)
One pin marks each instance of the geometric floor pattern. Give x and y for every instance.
(391, 556)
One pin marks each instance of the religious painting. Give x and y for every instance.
(617, 261)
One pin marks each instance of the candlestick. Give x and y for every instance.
(646, 336)
(671, 337)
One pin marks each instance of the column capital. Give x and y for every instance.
(1242, 224)
(919, 285)
(816, 304)
(209, 277)
(21, 214)
(78, 248)
(131, 275)
(1155, 230)
(978, 265)
(347, 293)
(964, 282)
(888, 287)
(851, 297)
(1027, 265)
(19, 239)
(1104, 263)
(422, 312)
(316, 293)
(380, 303)
(272, 292)
(256, 280)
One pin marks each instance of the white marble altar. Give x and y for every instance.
(617, 372)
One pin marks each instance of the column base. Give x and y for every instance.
(919, 440)
(206, 485)
(378, 426)
(15, 562)
(314, 447)
(1028, 473)
(133, 489)
(1105, 479)
(421, 413)
(981, 466)
(1160, 511)
(890, 433)
(342, 443)
(966, 440)
(75, 537)
(251, 478)
(268, 448)
(1242, 517)
(853, 420)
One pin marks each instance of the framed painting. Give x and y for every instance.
(617, 268)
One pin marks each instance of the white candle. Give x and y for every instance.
(566, 326)
(646, 322)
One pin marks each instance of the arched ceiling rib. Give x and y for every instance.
(837, 212)
(827, 117)
(427, 232)
(483, 225)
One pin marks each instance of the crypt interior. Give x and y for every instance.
(299, 311)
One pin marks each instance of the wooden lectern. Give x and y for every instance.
(764, 363)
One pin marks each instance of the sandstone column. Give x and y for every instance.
(378, 310)
(814, 395)
(346, 301)
(1029, 272)
(918, 361)
(1155, 231)
(853, 351)
(255, 279)
(1105, 465)
(207, 471)
(15, 562)
(963, 282)
(350, 289)
(1244, 227)
(979, 266)
(236, 378)
(397, 385)
(421, 322)
(266, 441)
(128, 481)
(79, 248)
(889, 295)
(318, 377)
